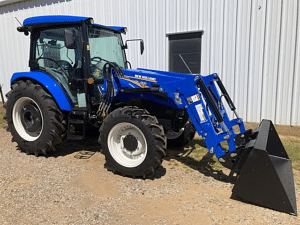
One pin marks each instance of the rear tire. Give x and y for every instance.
(34, 119)
(133, 142)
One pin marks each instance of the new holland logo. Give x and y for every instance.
(144, 77)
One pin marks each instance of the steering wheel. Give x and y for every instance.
(96, 68)
(98, 61)
(96, 57)
(63, 64)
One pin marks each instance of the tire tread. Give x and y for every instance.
(157, 133)
(57, 121)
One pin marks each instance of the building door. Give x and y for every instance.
(188, 46)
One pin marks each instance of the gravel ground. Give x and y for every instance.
(62, 189)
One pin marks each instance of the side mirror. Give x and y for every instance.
(142, 46)
(70, 41)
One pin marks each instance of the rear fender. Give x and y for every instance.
(62, 99)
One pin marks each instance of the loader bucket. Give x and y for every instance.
(266, 178)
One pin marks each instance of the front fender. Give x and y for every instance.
(62, 99)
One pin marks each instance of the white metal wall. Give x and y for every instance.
(254, 45)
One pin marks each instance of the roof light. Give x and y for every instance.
(91, 21)
(124, 30)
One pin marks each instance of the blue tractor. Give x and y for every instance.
(80, 79)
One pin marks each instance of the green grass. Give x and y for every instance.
(292, 148)
(198, 151)
(2, 121)
(195, 156)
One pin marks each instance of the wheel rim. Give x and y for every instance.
(127, 145)
(27, 119)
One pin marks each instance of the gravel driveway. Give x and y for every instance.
(67, 189)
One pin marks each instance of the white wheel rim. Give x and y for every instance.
(17, 118)
(117, 149)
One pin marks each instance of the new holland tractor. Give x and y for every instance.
(80, 79)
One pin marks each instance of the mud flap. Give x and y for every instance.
(266, 178)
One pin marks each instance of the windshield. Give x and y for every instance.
(107, 45)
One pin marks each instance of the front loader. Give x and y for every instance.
(80, 80)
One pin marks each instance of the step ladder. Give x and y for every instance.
(77, 125)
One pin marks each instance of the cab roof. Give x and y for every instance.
(44, 21)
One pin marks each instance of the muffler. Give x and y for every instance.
(264, 170)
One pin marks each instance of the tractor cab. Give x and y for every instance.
(74, 51)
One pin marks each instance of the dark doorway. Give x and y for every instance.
(188, 45)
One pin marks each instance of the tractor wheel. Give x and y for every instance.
(182, 137)
(133, 142)
(34, 119)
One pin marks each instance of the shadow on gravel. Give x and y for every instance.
(160, 172)
(86, 148)
(89, 144)
(204, 164)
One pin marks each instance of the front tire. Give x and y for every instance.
(133, 142)
(34, 119)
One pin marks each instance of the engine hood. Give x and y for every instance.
(156, 75)
(168, 82)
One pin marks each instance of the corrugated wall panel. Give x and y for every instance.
(242, 56)
(205, 24)
(150, 38)
(253, 44)
(229, 48)
(216, 39)
(229, 45)
(182, 15)
(286, 62)
(193, 15)
(161, 38)
(257, 33)
(295, 118)
(271, 58)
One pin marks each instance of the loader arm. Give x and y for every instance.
(203, 104)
